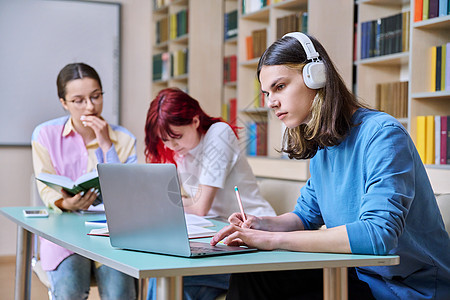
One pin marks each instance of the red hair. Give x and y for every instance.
(173, 107)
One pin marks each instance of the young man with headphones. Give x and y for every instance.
(368, 186)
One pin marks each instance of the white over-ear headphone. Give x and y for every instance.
(314, 71)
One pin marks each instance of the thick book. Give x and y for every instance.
(82, 184)
(437, 140)
(443, 140)
(447, 67)
(418, 8)
(448, 142)
(420, 138)
(429, 139)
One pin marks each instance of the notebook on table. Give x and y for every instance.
(144, 211)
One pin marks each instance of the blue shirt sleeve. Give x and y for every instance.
(389, 190)
(307, 208)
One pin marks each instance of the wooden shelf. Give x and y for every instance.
(386, 60)
(432, 95)
(434, 23)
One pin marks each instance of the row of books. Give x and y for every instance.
(428, 9)
(256, 43)
(385, 36)
(229, 111)
(230, 24)
(170, 64)
(293, 22)
(230, 68)
(256, 138)
(172, 27)
(392, 98)
(440, 68)
(433, 139)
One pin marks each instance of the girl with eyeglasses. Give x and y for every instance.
(72, 146)
(368, 186)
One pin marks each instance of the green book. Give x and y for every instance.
(82, 184)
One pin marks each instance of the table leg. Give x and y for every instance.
(23, 264)
(142, 288)
(335, 284)
(169, 288)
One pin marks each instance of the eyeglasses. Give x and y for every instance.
(95, 98)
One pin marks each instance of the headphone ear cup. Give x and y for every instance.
(314, 75)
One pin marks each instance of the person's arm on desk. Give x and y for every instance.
(281, 232)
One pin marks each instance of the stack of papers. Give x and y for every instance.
(196, 227)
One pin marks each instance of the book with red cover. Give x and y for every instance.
(233, 112)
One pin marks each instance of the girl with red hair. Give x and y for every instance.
(209, 162)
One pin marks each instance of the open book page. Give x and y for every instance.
(83, 183)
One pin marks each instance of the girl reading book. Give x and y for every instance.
(209, 162)
(72, 146)
(368, 186)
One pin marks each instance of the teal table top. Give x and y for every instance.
(69, 230)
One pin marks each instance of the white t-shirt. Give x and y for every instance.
(219, 162)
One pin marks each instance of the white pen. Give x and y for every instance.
(238, 196)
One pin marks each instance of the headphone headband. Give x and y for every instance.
(305, 41)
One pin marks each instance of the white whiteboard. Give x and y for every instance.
(37, 39)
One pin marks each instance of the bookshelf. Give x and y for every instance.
(267, 18)
(230, 39)
(202, 40)
(170, 55)
(413, 65)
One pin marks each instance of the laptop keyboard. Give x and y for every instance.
(197, 249)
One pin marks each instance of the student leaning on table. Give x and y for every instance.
(209, 162)
(71, 146)
(367, 185)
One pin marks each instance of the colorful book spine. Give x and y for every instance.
(251, 139)
(447, 67)
(433, 11)
(418, 10)
(420, 138)
(437, 140)
(443, 65)
(233, 112)
(425, 9)
(433, 68)
(444, 140)
(438, 67)
(443, 8)
(448, 143)
(429, 140)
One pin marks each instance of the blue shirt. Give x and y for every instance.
(374, 182)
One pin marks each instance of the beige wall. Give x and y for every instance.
(15, 162)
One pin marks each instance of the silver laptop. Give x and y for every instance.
(144, 211)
